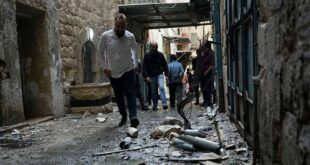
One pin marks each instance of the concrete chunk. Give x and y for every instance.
(164, 131)
(172, 121)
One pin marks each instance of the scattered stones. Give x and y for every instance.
(208, 163)
(172, 121)
(226, 157)
(244, 159)
(176, 154)
(15, 131)
(241, 150)
(101, 119)
(164, 131)
(105, 140)
(211, 156)
(230, 146)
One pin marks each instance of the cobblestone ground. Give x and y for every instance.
(73, 140)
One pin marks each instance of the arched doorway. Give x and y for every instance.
(89, 62)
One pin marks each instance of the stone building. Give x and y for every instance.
(80, 25)
(284, 88)
(45, 47)
(266, 49)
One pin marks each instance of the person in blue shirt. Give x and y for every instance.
(176, 73)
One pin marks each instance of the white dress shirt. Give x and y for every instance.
(118, 54)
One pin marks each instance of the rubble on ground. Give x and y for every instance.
(76, 139)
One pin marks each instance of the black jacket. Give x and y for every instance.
(154, 64)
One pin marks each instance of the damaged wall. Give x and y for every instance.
(75, 17)
(30, 49)
(11, 102)
(284, 95)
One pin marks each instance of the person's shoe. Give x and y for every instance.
(196, 103)
(171, 106)
(134, 122)
(144, 108)
(154, 108)
(165, 107)
(123, 121)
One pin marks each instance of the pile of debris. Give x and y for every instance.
(216, 142)
(192, 140)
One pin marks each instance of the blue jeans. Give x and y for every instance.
(158, 81)
(125, 86)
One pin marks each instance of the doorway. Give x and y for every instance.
(89, 61)
(34, 61)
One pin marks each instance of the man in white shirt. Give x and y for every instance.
(118, 57)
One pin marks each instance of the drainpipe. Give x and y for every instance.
(218, 53)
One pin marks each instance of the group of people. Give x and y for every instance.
(119, 60)
(156, 71)
(206, 77)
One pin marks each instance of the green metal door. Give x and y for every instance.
(241, 64)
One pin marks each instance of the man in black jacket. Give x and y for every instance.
(154, 64)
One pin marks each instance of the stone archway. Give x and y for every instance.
(89, 62)
(86, 50)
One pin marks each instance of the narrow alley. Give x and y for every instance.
(75, 139)
(155, 82)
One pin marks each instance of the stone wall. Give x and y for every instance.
(11, 91)
(75, 17)
(41, 71)
(284, 95)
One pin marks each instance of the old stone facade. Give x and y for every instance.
(283, 128)
(44, 47)
(80, 26)
(283, 103)
(284, 95)
(29, 52)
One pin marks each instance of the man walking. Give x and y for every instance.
(207, 75)
(118, 56)
(176, 73)
(154, 64)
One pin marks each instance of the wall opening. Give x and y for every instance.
(34, 61)
(89, 62)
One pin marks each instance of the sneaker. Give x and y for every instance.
(134, 122)
(165, 107)
(123, 121)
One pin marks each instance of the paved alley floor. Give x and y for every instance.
(75, 138)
